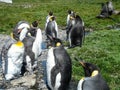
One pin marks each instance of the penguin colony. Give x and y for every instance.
(21, 51)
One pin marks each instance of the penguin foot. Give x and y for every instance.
(9, 77)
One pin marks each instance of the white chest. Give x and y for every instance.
(49, 65)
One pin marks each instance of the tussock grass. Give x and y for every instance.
(103, 49)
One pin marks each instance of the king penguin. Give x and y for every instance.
(33, 49)
(52, 28)
(93, 79)
(70, 13)
(77, 32)
(58, 66)
(70, 22)
(12, 58)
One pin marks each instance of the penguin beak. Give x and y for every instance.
(19, 30)
(82, 63)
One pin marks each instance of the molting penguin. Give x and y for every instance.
(20, 31)
(93, 79)
(58, 66)
(12, 58)
(32, 50)
(52, 28)
(77, 32)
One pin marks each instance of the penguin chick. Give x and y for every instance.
(93, 79)
(58, 66)
(12, 59)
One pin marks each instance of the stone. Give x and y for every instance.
(29, 81)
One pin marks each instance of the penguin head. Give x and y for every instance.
(78, 19)
(16, 35)
(72, 15)
(69, 11)
(52, 18)
(34, 24)
(89, 69)
(54, 42)
(50, 13)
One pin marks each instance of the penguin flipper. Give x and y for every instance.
(55, 70)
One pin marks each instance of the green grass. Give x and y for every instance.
(101, 47)
(30, 10)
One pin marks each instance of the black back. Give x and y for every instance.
(77, 32)
(62, 65)
(95, 83)
(50, 29)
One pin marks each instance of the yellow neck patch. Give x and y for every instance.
(71, 18)
(82, 78)
(19, 43)
(94, 73)
(58, 44)
(51, 18)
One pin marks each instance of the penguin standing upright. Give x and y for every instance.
(70, 13)
(32, 49)
(52, 28)
(77, 33)
(12, 58)
(70, 22)
(58, 66)
(93, 79)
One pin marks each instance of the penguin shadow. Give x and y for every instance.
(45, 73)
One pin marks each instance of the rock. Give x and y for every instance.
(19, 88)
(29, 81)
